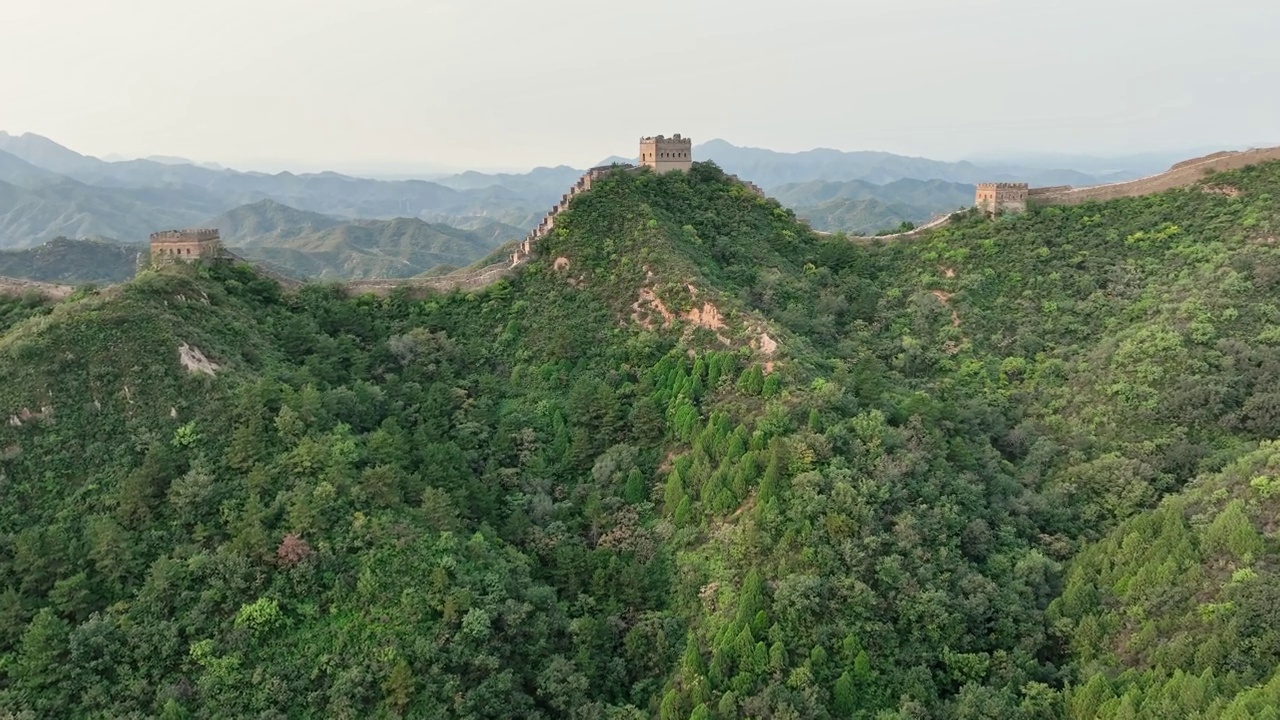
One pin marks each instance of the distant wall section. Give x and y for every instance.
(1187, 172)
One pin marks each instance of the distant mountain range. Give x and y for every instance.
(310, 244)
(48, 191)
(298, 242)
(861, 207)
(769, 168)
(71, 262)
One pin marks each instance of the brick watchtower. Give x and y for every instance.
(183, 245)
(1001, 197)
(666, 154)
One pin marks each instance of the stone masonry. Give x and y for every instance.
(659, 153)
(184, 245)
(994, 198)
(525, 248)
(1187, 172)
(665, 154)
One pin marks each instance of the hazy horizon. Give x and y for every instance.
(397, 170)
(500, 86)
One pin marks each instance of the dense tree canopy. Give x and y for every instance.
(1015, 469)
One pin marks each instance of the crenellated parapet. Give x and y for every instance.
(184, 245)
(1001, 197)
(185, 235)
(754, 188)
(584, 183)
(666, 154)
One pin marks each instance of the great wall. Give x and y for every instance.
(661, 155)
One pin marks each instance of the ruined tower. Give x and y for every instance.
(1001, 197)
(183, 245)
(665, 154)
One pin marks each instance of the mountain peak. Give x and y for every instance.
(45, 153)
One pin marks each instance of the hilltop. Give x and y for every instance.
(691, 460)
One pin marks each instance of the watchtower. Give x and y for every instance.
(170, 246)
(665, 154)
(1001, 197)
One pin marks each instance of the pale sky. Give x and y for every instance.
(518, 83)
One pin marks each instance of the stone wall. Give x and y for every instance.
(1001, 197)
(1187, 172)
(937, 221)
(754, 188)
(264, 270)
(445, 283)
(525, 248)
(1035, 193)
(183, 245)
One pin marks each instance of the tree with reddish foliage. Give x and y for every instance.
(293, 550)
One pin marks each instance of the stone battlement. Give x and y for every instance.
(663, 154)
(184, 245)
(674, 139)
(754, 188)
(1048, 190)
(1001, 197)
(198, 235)
(1003, 186)
(525, 248)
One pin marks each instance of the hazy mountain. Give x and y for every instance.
(915, 192)
(32, 215)
(326, 192)
(492, 230)
(770, 168)
(268, 222)
(867, 216)
(1148, 163)
(861, 207)
(16, 171)
(53, 191)
(309, 244)
(43, 152)
(56, 191)
(513, 222)
(540, 183)
(72, 261)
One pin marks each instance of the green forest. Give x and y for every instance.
(691, 462)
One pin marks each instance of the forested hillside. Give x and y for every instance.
(692, 461)
(73, 261)
(865, 209)
(311, 245)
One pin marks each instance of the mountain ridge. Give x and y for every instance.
(152, 194)
(317, 246)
